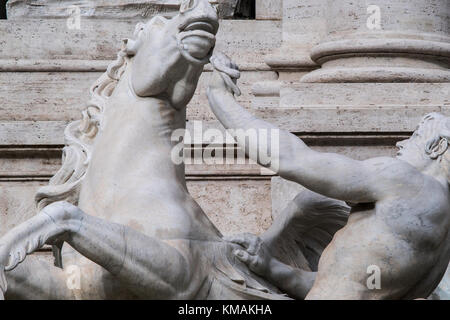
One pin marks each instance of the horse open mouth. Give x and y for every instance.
(197, 40)
(201, 25)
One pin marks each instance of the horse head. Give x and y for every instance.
(163, 59)
(167, 55)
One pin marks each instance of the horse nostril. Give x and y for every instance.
(400, 144)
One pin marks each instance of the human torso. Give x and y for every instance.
(405, 239)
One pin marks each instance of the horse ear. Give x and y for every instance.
(130, 46)
(159, 21)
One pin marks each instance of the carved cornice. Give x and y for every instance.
(329, 50)
(67, 65)
(380, 61)
(376, 74)
(43, 161)
(290, 59)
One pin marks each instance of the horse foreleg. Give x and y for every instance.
(37, 279)
(47, 227)
(149, 267)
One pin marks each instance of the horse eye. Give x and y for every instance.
(186, 5)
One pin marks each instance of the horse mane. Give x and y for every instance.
(79, 137)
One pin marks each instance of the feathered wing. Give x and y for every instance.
(304, 229)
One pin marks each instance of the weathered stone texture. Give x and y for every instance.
(235, 206)
(111, 9)
(244, 40)
(269, 9)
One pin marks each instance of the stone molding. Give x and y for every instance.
(104, 9)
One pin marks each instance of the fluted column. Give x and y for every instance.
(403, 41)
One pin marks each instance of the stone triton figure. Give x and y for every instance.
(400, 208)
(121, 204)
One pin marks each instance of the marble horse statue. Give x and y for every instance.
(120, 204)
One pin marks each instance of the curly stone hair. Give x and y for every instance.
(438, 136)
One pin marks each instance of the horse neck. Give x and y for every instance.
(140, 130)
(132, 166)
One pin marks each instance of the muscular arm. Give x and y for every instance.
(295, 282)
(332, 175)
(256, 255)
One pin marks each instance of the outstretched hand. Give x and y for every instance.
(255, 255)
(226, 73)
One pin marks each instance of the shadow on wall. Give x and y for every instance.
(245, 9)
(3, 10)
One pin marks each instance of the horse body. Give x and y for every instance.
(132, 179)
